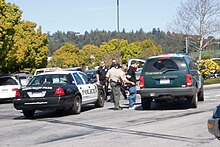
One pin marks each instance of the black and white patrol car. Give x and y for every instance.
(61, 90)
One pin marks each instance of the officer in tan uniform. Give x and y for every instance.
(116, 77)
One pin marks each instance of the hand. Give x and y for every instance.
(133, 83)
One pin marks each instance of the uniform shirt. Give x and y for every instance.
(131, 74)
(115, 74)
(102, 72)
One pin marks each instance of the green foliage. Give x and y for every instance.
(90, 56)
(212, 81)
(10, 16)
(65, 57)
(22, 45)
(205, 56)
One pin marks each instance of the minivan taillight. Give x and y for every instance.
(17, 93)
(188, 80)
(59, 92)
(141, 81)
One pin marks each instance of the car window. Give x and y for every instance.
(158, 65)
(85, 77)
(216, 112)
(49, 79)
(78, 78)
(8, 81)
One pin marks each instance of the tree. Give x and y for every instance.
(30, 48)
(10, 16)
(65, 57)
(200, 18)
(90, 56)
(22, 45)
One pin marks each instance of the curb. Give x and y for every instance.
(212, 85)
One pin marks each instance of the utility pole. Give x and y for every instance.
(118, 49)
(187, 45)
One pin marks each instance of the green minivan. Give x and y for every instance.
(170, 77)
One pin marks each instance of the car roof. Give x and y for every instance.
(7, 76)
(59, 72)
(168, 55)
(91, 70)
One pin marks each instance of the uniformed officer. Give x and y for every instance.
(101, 76)
(116, 76)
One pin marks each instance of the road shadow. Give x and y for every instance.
(176, 105)
(55, 113)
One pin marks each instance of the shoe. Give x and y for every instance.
(109, 100)
(118, 108)
(132, 108)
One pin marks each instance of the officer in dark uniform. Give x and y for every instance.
(101, 77)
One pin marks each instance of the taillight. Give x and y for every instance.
(188, 80)
(141, 81)
(17, 93)
(59, 92)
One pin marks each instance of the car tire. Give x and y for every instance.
(201, 95)
(101, 99)
(146, 103)
(77, 104)
(193, 100)
(28, 113)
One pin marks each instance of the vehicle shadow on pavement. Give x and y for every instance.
(55, 113)
(166, 106)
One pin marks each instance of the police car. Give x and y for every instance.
(61, 90)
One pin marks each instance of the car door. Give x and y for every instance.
(83, 88)
(92, 88)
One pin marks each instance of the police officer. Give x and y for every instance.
(116, 77)
(101, 76)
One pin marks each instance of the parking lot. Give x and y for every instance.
(166, 124)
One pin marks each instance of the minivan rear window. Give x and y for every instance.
(160, 65)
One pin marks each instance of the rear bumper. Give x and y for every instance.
(163, 92)
(43, 103)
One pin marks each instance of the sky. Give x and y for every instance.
(86, 15)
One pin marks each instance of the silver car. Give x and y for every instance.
(214, 123)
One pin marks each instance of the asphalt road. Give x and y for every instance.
(166, 125)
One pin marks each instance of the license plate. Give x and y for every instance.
(36, 94)
(4, 90)
(164, 81)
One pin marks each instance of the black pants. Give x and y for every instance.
(105, 86)
(123, 88)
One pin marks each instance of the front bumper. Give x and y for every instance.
(43, 103)
(171, 92)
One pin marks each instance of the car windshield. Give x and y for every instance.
(7, 81)
(164, 65)
(90, 73)
(50, 79)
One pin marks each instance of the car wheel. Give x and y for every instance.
(201, 95)
(193, 100)
(76, 108)
(28, 113)
(146, 103)
(101, 99)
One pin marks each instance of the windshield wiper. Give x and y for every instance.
(169, 70)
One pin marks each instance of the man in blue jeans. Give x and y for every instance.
(132, 88)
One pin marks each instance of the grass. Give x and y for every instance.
(212, 81)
